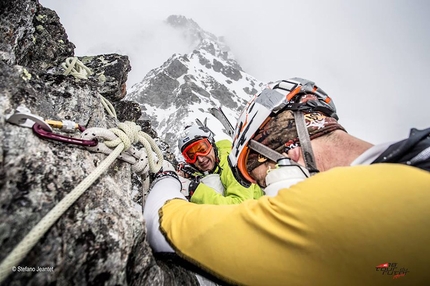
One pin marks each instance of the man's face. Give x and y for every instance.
(206, 163)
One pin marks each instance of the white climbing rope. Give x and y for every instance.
(21, 250)
(130, 128)
(138, 158)
(108, 106)
(73, 66)
(127, 134)
(116, 140)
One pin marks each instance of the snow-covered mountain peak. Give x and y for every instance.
(184, 87)
(190, 30)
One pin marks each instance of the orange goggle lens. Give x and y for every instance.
(201, 147)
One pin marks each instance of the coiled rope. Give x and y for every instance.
(128, 133)
(73, 66)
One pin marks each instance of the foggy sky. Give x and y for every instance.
(371, 57)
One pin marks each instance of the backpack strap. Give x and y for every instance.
(413, 151)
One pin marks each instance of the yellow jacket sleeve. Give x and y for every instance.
(334, 228)
(234, 192)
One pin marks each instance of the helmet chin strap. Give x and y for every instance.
(217, 168)
(265, 151)
(305, 143)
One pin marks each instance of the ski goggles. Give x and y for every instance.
(201, 147)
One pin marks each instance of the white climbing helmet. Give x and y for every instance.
(277, 97)
(192, 134)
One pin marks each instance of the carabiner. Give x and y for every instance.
(43, 129)
(40, 132)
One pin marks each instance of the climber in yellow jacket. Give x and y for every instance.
(359, 215)
(214, 183)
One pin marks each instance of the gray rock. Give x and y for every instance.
(100, 239)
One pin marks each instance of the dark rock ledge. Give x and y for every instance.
(100, 239)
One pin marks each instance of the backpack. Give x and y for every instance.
(413, 151)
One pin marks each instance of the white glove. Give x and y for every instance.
(162, 191)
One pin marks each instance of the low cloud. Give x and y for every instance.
(371, 57)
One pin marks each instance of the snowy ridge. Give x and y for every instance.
(183, 88)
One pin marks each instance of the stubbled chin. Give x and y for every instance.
(205, 166)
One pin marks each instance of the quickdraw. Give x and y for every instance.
(43, 129)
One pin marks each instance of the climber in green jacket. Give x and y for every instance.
(213, 182)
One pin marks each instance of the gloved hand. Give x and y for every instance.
(189, 186)
(194, 183)
(185, 170)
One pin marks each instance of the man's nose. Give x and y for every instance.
(200, 158)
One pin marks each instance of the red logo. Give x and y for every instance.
(391, 269)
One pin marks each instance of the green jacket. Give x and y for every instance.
(234, 192)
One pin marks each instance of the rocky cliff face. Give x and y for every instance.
(100, 239)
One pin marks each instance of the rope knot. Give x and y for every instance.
(127, 133)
